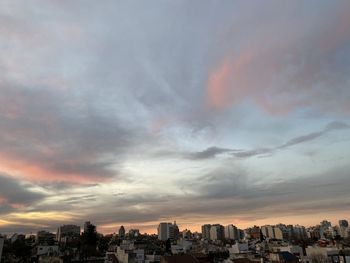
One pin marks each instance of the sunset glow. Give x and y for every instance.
(128, 113)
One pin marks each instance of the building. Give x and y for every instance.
(252, 232)
(133, 233)
(67, 232)
(299, 232)
(206, 231)
(217, 232)
(231, 232)
(313, 233)
(293, 249)
(47, 250)
(322, 254)
(87, 224)
(121, 232)
(344, 228)
(186, 234)
(183, 259)
(45, 238)
(16, 237)
(168, 231)
(275, 232)
(238, 248)
(268, 231)
(325, 226)
(287, 232)
(278, 233)
(283, 257)
(176, 232)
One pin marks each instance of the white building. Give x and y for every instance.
(320, 252)
(127, 255)
(293, 249)
(278, 233)
(47, 250)
(344, 228)
(216, 232)
(268, 231)
(182, 246)
(231, 232)
(272, 232)
(238, 248)
(206, 231)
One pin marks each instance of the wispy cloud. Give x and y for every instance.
(294, 141)
(212, 152)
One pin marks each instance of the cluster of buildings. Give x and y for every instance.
(323, 243)
(219, 232)
(280, 232)
(217, 243)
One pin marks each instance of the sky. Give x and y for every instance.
(136, 112)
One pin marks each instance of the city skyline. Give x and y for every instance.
(155, 228)
(134, 113)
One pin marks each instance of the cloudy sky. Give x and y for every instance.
(135, 112)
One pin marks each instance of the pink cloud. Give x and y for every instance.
(37, 172)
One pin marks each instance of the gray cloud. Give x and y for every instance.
(14, 193)
(61, 138)
(208, 153)
(222, 193)
(212, 152)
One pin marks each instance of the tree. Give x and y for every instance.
(89, 241)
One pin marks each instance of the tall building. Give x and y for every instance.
(325, 226)
(313, 232)
(175, 232)
(168, 231)
(274, 232)
(217, 232)
(253, 232)
(67, 232)
(299, 232)
(268, 231)
(231, 232)
(286, 232)
(278, 233)
(206, 231)
(344, 228)
(87, 224)
(121, 232)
